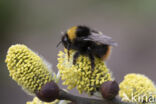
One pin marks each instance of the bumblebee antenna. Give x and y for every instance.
(59, 43)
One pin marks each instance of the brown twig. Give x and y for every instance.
(81, 100)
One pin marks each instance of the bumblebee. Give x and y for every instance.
(88, 42)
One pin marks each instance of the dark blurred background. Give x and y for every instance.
(38, 24)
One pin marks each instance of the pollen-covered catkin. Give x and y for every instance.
(137, 88)
(81, 74)
(37, 101)
(27, 68)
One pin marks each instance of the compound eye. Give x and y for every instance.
(65, 39)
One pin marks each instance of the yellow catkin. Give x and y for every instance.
(81, 75)
(137, 88)
(27, 68)
(37, 101)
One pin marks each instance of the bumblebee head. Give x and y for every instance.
(65, 41)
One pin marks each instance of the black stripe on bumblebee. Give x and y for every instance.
(88, 42)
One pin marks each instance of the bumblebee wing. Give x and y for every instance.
(101, 38)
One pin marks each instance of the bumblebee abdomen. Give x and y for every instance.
(102, 51)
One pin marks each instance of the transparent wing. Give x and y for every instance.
(101, 38)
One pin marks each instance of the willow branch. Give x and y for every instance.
(81, 100)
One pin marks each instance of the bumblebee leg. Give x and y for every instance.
(76, 55)
(68, 48)
(68, 55)
(92, 61)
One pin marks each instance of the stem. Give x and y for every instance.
(81, 100)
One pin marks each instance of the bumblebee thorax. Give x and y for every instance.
(72, 32)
